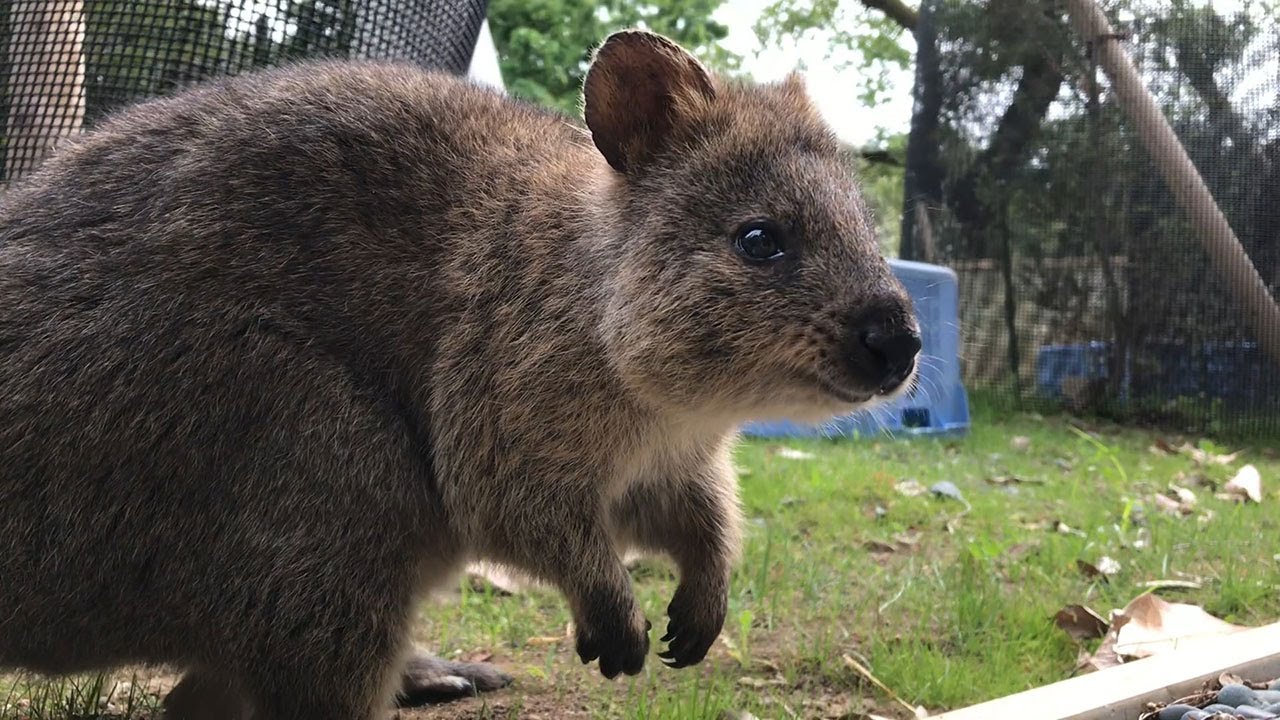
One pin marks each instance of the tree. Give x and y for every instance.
(871, 35)
(544, 46)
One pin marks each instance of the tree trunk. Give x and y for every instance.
(922, 180)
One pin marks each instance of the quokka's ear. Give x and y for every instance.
(640, 87)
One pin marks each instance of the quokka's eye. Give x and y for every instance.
(760, 241)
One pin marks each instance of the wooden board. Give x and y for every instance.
(1121, 692)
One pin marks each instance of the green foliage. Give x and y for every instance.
(871, 40)
(544, 45)
(881, 182)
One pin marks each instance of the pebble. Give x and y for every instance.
(1273, 708)
(1236, 695)
(1219, 708)
(1275, 685)
(1267, 697)
(1196, 715)
(1253, 713)
(1175, 712)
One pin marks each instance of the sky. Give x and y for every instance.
(833, 88)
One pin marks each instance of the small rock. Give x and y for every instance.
(1253, 713)
(1273, 708)
(1218, 708)
(1267, 697)
(1236, 695)
(1020, 443)
(946, 489)
(1174, 712)
(1197, 715)
(1275, 684)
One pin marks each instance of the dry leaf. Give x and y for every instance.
(541, 640)
(1155, 626)
(1183, 495)
(1080, 623)
(1105, 656)
(1230, 678)
(1064, 529)
(910, 488)
(1168, 505)
(1171, 584)
(1105, 568)
(1003, 480)
(1247, 484)
(1020, 442)
(793, 454)
(1163, 447)
(761, 682)
(1202, 457)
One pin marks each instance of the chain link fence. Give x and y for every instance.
(1083, 280)
(67, 62)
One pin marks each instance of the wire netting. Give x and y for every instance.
(64, 63)
(1083, 279)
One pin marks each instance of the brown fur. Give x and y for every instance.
(281, 352)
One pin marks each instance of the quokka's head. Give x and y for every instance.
(749, 279)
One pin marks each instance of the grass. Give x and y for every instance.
(947, 603)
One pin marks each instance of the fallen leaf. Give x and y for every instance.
(541, 640)
(1168, 505)
(1064, 529)
(794, 454)
(1105, 656)
(761, 682)
(1247, 484)
(1171, 584)
(1183, 495)
(1080, 623)
(909, 488)
(1163, 447)
(1155, 626)
(1020, 443)
(1105, 568)
(1202, 457)
(1005, 480)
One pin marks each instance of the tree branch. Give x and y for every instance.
(897, 11)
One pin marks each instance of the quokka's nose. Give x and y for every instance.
(892, 355)
(882, 343)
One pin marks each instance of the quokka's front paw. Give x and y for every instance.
(696, 616)
(617, 635)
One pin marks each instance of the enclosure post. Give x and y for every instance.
(1226, 254)
(46, 80)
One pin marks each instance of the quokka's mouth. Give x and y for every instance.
(841, 392)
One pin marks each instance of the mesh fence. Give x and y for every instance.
(1083, 279)
(67, 62)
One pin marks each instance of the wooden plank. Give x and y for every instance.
(1121, 693)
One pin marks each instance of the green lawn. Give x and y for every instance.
(947, 604)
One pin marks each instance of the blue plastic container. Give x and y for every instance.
(938, 405)
(1227, 371)
(1058, 363)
